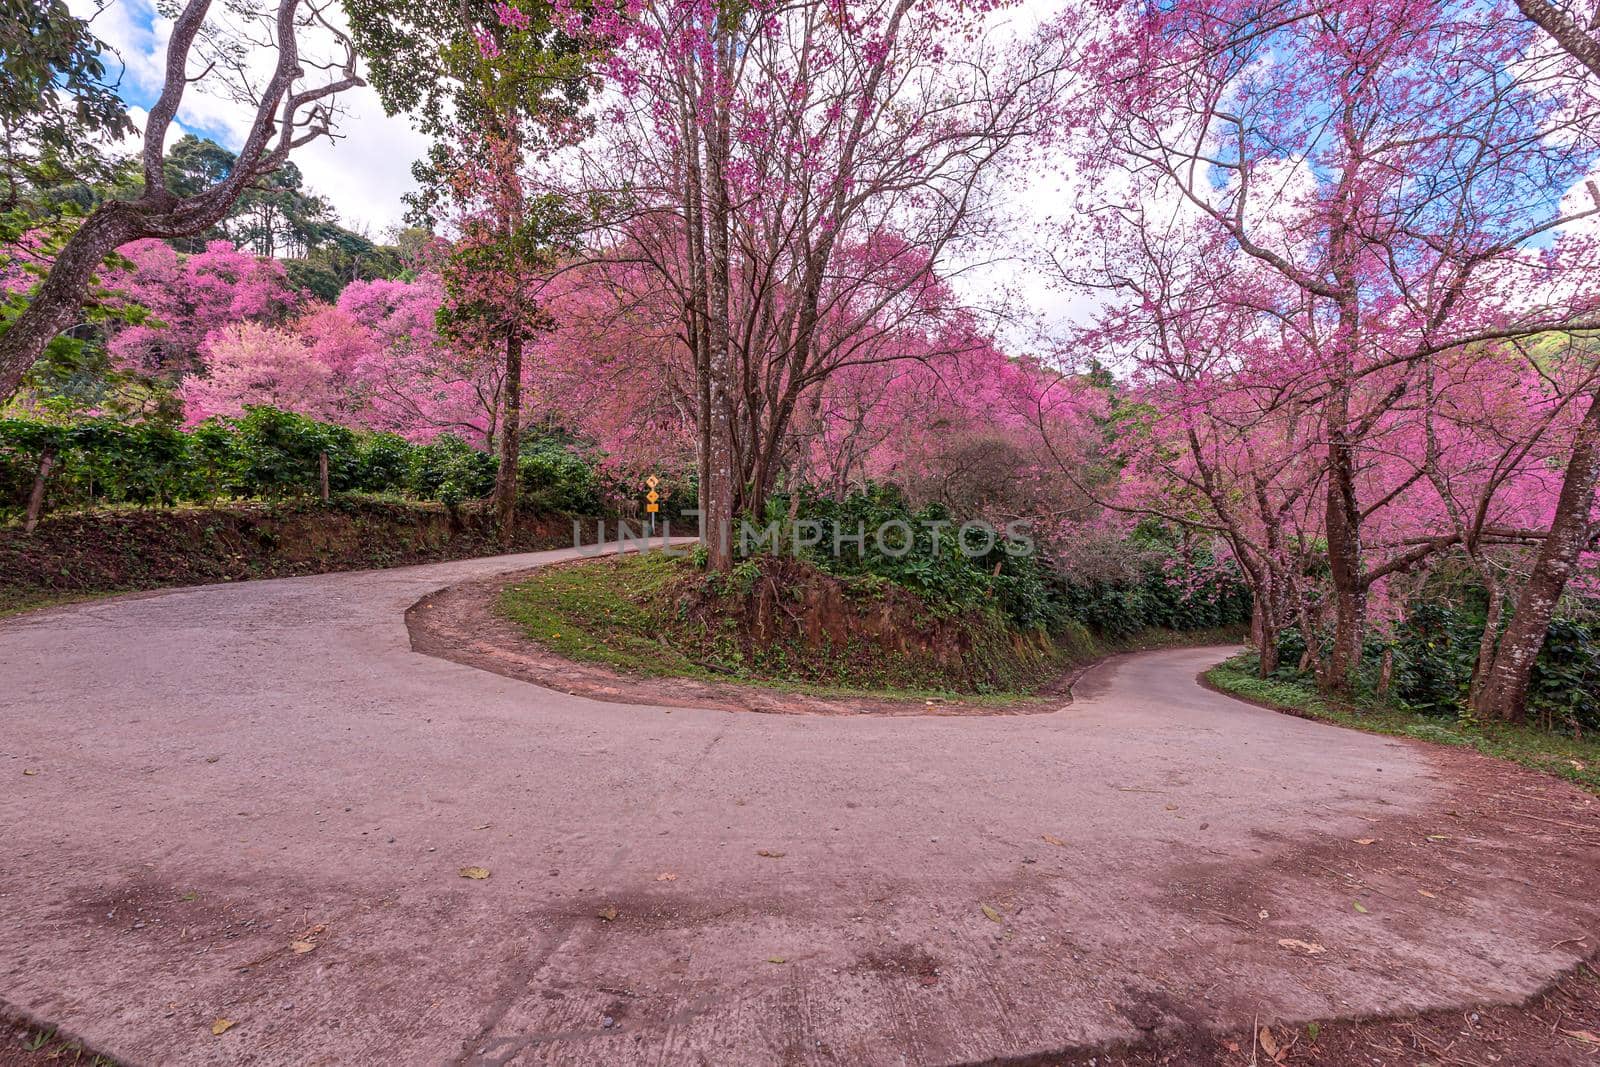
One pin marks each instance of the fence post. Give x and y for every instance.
(322, 473)
(47, 461)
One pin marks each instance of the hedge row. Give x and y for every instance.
(268, 454)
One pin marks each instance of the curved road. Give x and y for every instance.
(192, 781)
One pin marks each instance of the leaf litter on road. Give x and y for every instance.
(477, 874)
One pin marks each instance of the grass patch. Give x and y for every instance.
(612, 611)
(22, 601)
(656, 616)
(624, 612)
(1575, 759)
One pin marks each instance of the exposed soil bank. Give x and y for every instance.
(115, 550)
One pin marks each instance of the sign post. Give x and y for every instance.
(652, 499)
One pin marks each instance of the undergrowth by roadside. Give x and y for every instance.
(1576, 759)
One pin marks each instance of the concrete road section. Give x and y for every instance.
(253, 803)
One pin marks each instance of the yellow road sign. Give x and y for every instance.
(652, 508)
(652, 496)
(652, 481)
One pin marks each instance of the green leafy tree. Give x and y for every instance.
(57, 102)
(487, 81)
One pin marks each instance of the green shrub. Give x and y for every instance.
(1435, 649)
(1170, 591)
(268, 454)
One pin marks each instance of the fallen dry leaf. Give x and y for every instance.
(302, 947)
(769, 854)
(1430, 896)
(1588, 1037)
(1438, 837)
(221, 1026)
(776, 959)
(483, 826)
(1269, 1043)
(1577, 765)
(993, 915)
(607, 914)
(29, 774)
(1356, 904)
(1365, 840)
(477, 874)
(1052, 839)
(666, 876)
(1310, 948)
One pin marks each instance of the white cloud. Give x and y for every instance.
(366, 172)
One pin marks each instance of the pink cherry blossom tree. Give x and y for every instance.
(788, 182)
(1383, 183)
(188, 296)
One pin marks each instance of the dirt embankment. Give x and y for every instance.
(794, 612)
(808, 643)
(132, 549)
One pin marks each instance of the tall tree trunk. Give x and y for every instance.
(720, 492)
(505, 479)
(55, 306)
(1504, 695)
(1264, 632)
(1343, 527)
(697, 309)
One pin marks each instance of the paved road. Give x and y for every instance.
(191, 781)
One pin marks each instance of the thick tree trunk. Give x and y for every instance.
(505, 479)
(1265, 625)
(1343, 528)
(1577, 40)
(1268, 646)
(1504, 694)
(56, 305)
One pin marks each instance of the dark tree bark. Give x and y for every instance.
(1504, 693)
(505, 478)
